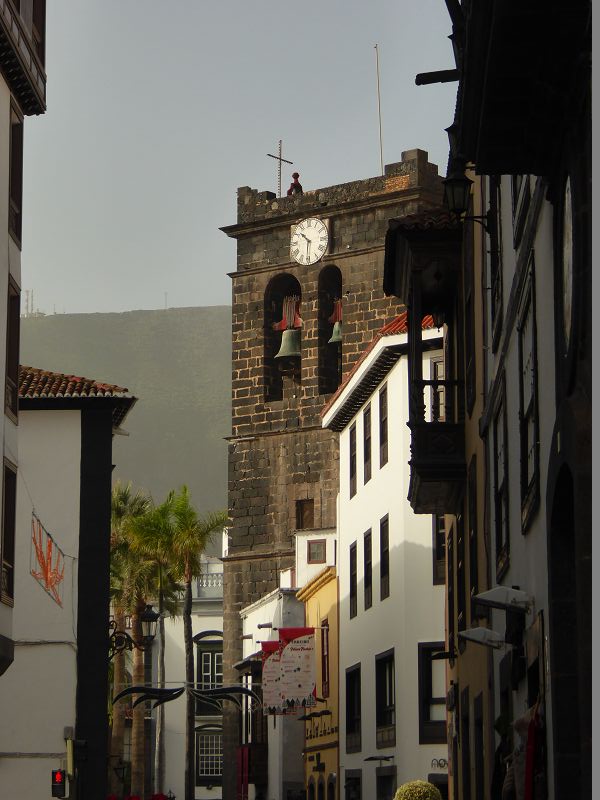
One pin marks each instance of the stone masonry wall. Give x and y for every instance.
(278, 453)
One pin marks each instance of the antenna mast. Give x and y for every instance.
(279, 159)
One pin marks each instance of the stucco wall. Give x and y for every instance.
(37, 694)
(414, 611)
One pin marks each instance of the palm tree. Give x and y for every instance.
(192, 534)
(125, 505)
(151, 534)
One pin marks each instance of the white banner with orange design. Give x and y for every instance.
(297, 684)
(271, 675)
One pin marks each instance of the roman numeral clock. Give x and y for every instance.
(308, 242)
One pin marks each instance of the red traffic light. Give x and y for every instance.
(59, 782)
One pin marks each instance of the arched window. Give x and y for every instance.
(282, 336)
(321, 789)
(311, 790)
(331, 788)
(329, 329)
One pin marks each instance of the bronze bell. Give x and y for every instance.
(290, 344)
(336, 336)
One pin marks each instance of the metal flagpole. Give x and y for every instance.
(379, 109)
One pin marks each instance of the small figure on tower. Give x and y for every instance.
(295, 185)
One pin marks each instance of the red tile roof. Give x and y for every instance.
(43, 383)
(398, 325)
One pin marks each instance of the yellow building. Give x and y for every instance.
(321, 761)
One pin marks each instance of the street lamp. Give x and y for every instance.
(119, 641)
(457, 197)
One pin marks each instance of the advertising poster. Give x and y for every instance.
(297, 685)
(271, 678)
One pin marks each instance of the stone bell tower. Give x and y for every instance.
(287, 297)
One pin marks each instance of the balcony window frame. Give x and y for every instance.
(209, 778)
(13, 335)
(384, 557)
(473, 529)
(496, 260)
(212, 649)
(438, 545)
(353, 579)
(368, 569)
(367, 458)
(8, 533)
(353, 709)
(325, 682)
(431, 731)
(500, 482)
(385, 699)
(15, 181)
(383, 426)
(352, 460)
(529, 425)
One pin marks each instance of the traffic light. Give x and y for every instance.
(59, 783)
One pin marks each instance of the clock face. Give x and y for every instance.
(309, 241)
(567, 263)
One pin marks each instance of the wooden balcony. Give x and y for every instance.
(437, 464)
(19, 61)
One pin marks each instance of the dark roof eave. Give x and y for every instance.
(120, 406)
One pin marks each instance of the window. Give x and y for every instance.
(38, 29)
(209, 757)
(432, 694)
(472, 506)
(521, 197)
(501, 487)
(16, 175)
(305, 514)
(353, 460)
(383, 427)
(451, 590)
(528, 407)
(478, 745)
(353, 580)
(353, 784)
(385, 700)
(7, 549)
(209, 672)
(384, 556)
(368, 568)
(465, 744)
(353, 728)
(325, 657)
(316, 551)
(438, 405)
(461, 572)
(439, 549)
(496, 259)
(367, 443)
(11, 397)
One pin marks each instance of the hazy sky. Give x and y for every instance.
(159, 110)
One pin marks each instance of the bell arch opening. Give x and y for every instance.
(330, 329)
(282, 360)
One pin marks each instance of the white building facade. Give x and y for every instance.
(56, 691)
(22, 92)
(392, 693)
